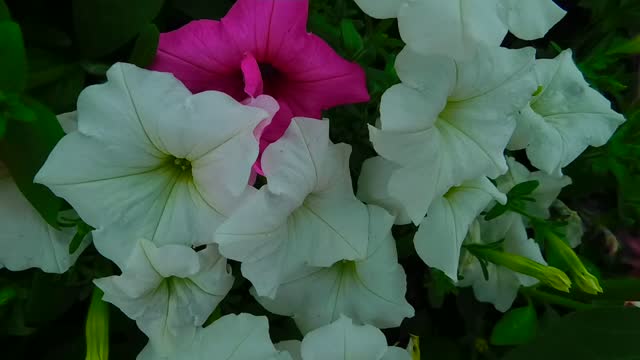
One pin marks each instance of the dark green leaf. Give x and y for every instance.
(599, 333)
(523, 189)
(517, 326)
(3, 126)
(350, 36)
(4, 11)
(438, 287)
(62, 95)
(103, 26)
(24, 149)
(144, 50)
(203, 9)
(49, 298)
(496, 211)
(81, 233)
(13, 62)
(6, 294)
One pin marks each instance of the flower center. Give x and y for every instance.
(267, 71)
(182, 165)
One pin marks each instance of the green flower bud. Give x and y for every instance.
(97, 328)
(546, 274)
(581, 276)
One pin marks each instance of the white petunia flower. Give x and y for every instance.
(439, 238)
(370, 291)
(456, 27)
(530, 19)
(564, 118)
(306, 214)
(342, 339)
(502, 285)
(232, 337)
(26, 240)
(449, 122)
(151, 160)
(168, 290)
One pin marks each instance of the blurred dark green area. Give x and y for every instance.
(51, 50)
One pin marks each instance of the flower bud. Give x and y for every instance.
(97, 328)
(581, 276)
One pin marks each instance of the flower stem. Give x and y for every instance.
(555, 299)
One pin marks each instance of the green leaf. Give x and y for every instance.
(13, 62)
(496, 211)
(4, 11)
(3, 126)
(7, 294)
(203, 9)
(24, 149)
(438, 287)
(62, 95)
(103, 26)
(517, 326)
(144, 50)
(81, 233)
(599, 333)
(350, 36)
(523, 189)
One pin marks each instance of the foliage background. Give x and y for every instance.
(65, 45)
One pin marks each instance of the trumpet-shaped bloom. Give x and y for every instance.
(262, 47)
(564, 118)
(456, 27)
(306, 214)
(150, 160)
(168, 290)
(342, 339)
(232, 337)
(439, 238)
(373, 187)
(370, 290)
(449, 121)
(501, 287)
(26, 240)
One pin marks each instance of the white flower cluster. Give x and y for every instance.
(164, 177)
(462, 101)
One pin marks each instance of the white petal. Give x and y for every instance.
(468, 138)
(232, 337)
(373, 187)
(380, 9)
(292, 347)
(370, 290)
(118, 169)
(26, 240)
(573, 116)
(169, 290)
(530, 20)
(396, 353)
(306, 214)
(440, 235)
(344, 340)
(68, 121)
(450, 27)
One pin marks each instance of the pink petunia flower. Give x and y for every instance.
(262, 47)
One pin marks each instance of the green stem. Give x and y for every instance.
(555, 299)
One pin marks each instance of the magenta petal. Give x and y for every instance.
(274, 131)
(264, 27)
(319, 79)
(201, 55)
(252, 76)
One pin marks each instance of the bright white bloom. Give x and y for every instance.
(232, 337)
(342, 339)
(439, 238)
(564, 118)
(530, 19)
(306, 214)
(169, 290)
(449, 122)
(151, 160)
(544, 195)
(370, 291)
(456, 27)
(26, 240)
(502, 286)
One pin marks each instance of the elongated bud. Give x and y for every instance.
(414, 347)
(581, 276)
(97, 328)
(546, 274)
